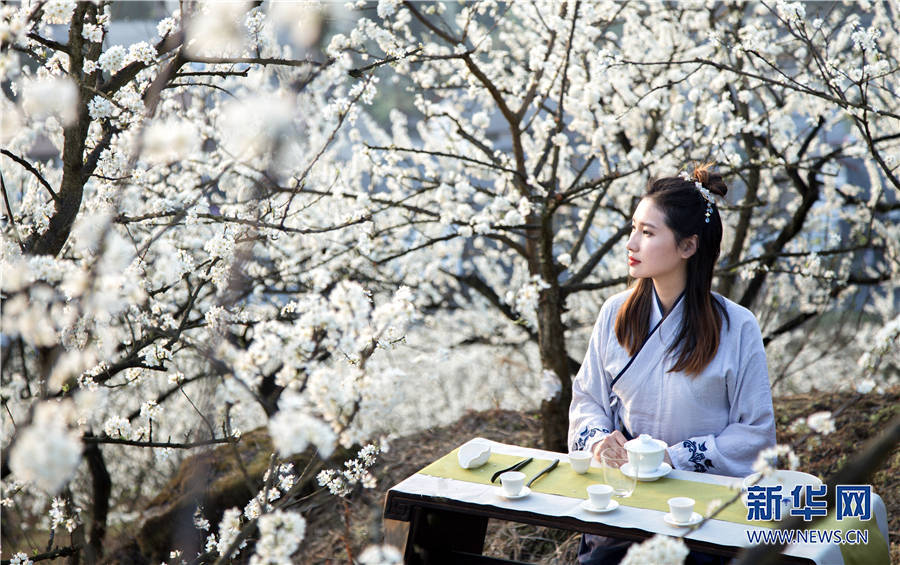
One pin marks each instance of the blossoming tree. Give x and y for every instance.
(228, 238)
(173, 277)
(539, 124)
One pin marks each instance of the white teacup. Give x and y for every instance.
(681, 508)
(580, 461)
(512, 482)
(600, 495)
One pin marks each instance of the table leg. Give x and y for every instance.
(434, 534)
(396, 533)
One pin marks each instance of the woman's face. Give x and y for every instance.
(652, 251)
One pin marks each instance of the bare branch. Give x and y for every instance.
(155, 444)
(12, 219)
(256, 61)
(594, 259)
(441, 154)
(31, 170)
(55, 45)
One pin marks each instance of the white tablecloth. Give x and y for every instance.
(714, 531)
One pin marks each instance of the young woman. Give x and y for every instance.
(670, 358)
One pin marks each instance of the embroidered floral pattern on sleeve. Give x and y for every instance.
(585, 435)
(701, 463)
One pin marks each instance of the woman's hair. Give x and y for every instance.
(685, 209)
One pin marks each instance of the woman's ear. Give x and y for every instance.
(688, 246)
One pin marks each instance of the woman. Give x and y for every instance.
(670, 358)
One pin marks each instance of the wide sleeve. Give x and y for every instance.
(751, 419)
(590, 415)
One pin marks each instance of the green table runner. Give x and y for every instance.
(654, 496)
(566, 482)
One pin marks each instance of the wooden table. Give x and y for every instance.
(444, 521)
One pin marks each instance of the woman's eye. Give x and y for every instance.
(647, 233)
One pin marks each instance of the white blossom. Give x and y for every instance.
(170, 140)
(865, 386)
(293, 428)
(20, 558)
(229, 528)
(821, 422)
(141, 51)
(280, 534)
(551, 386)
(380, 555)
(113, 59)
(92, 32)
(659, 550)
(58, 11)
(216, 28)
(47, 452)
(770, 459)
(56, 96)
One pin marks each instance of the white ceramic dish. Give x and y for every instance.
(696, 518)
(661, 471)
(473, 454)
(613, 504)
(522, 493)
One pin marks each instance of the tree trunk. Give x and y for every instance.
(555, 412)
(552, 342)
(72, 186)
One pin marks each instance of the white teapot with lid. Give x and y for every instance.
(645, 454)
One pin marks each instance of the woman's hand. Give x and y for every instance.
(615, 441)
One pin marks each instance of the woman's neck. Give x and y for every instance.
(668, 290)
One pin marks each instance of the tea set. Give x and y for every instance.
(644, 463)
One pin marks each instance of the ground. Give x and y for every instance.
(858, 418)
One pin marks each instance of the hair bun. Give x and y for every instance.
(711, 181)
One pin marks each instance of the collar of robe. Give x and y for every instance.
(672, 322)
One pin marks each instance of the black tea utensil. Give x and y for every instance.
(515, 467)
(549, 468)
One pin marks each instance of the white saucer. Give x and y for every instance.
(586, 504)
(695, 519)
(661, 471)
(522, 494)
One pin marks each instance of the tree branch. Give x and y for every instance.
(256, 61)
(33, 171)
(56, 553)
(155, 444)
(476, 283)
(55, 45)
(597, 256)
(9, 213)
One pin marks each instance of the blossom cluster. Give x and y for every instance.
(355, 472)
(771, 459)
(660, 549)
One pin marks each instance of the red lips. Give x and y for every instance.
(632, 261)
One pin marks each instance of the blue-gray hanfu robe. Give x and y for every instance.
(716, 422)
